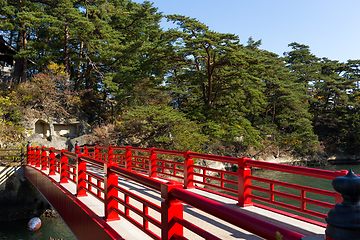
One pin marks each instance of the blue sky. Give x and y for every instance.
(330, 28)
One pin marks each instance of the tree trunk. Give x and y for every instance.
(21, 66)
(25, 60)
(67, 56)
(78, 80)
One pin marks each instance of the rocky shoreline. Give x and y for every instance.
(318, 160)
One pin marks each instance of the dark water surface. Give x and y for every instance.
(50, 227)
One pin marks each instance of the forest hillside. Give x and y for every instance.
(186, 88)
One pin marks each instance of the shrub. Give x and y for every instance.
(163, 127)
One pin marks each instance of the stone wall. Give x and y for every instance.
(55, 133)
(19, 199)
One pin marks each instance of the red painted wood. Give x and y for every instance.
(110, 181)
(247, 222)
(171, 208)
(81, 184)
(84, 223)
(243, 184)
(150, 164)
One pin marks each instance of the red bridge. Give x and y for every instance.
(108, 192)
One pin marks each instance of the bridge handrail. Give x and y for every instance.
(310, 172)
(10, 149)
(93, 161)
(185, 170)
(144, 169)
(70, 154)
(139, 149)
(169, 152)
(232, 160)
(242, 220)
(147, 181)
(21, 154)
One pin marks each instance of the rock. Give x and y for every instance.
(87, 139)
(19, 199)
(267, 158)
(50, 213)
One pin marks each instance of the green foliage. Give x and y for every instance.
(46, 93)
(331, 89)
(163, 127)
(95, 51)
(10, 116)
(209, 81)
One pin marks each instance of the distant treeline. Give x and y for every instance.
(224, 90)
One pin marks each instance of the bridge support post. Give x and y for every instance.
(33, 156)
(52, 160)
(110, 181)
(64, 168)
(38, 157)
(86, 152)
(152, 164)
(343, 221)
(128, 158)
(171, 209)
(80, 177)
(188, 171)
(96, 152)
(243, 183)
(110, 154)
(43, 158)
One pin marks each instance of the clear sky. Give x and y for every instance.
(329, 27)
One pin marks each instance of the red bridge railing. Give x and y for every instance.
(180, 166)
(142, 165)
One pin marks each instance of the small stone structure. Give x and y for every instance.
(61, 129)
(54, 132)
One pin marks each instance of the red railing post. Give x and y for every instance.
(110, 154)
(338, 198)
(170, 208)
(128, 158)
(33, 156)
(43, 158)
(152, 163)
(38, 156)
(80, 177)
(77, 147)
(243, 183)
(52, 164)
(86, 151)
(64, 168)
(96, 152)
(188, 171)
(110, 181)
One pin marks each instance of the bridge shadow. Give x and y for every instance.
(130, 185)
(217, 224)
(7, 172)
(193, 215)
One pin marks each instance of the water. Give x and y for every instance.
(50, 227)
